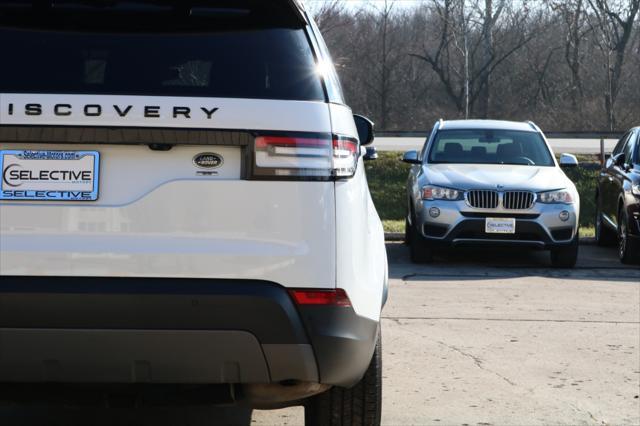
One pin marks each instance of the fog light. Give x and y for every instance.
(564, 215)
(434, 212)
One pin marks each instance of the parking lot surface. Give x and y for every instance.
(500, 338)
(491, 338)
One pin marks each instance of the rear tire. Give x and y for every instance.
(605, 236)
(566, 256)
(628, 252)
(418, 247)
(360, 405)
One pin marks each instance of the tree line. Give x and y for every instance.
(570, 65)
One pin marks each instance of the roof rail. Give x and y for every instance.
(440, 123)
(533, 125)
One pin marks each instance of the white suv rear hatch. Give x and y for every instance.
(215, 154)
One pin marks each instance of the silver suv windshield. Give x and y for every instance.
(489, 146)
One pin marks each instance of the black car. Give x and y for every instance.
(618, 199)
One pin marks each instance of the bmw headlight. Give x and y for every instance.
(431, 192)
(635, 189)
(555, 197)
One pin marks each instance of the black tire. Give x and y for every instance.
(605, 236)
(360, 405)
(628, 252)
(419, 249)
(566, 256)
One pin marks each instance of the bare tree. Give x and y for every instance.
(442, 58)
(574, 17)
(613, 21)
(567, 64)
(489, 19)
(466, 78)
(385, 61)
(327, 14)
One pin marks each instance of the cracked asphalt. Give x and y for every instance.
(478, 338)
(500, 338)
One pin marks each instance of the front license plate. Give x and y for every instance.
(495, 225)
(49, 175)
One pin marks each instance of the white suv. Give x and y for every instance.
(184, 203)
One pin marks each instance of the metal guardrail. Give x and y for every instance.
(551, 135)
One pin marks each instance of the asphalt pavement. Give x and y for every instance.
(477, 338)
(500, 338)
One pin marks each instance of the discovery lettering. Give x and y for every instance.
(121, 111)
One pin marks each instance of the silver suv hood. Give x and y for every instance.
(487, 176)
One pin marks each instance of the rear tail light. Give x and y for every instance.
(345, 157)
(319, 157)
(337, 297)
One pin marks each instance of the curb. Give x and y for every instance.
(399, 236)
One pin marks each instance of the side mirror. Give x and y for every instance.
(608, 161)
(620, 160)
(365, 129)
(371, 154)
(411, 157)
(568, 160)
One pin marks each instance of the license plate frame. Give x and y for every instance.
(500, 225)
(49, 175)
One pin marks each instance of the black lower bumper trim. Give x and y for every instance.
(263, 308)
(342, 342)
(528, 233)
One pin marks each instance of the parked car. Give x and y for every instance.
(184, 206)
(618, 199)
(490, 183)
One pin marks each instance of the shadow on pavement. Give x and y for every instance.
(183, 416)
(498, 263)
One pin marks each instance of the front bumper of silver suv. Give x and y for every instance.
(458, 223)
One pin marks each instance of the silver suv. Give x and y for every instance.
(486, 182)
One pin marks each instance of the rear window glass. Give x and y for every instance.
(243, 60)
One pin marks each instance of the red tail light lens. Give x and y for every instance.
(337, 297)
(321, 157)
